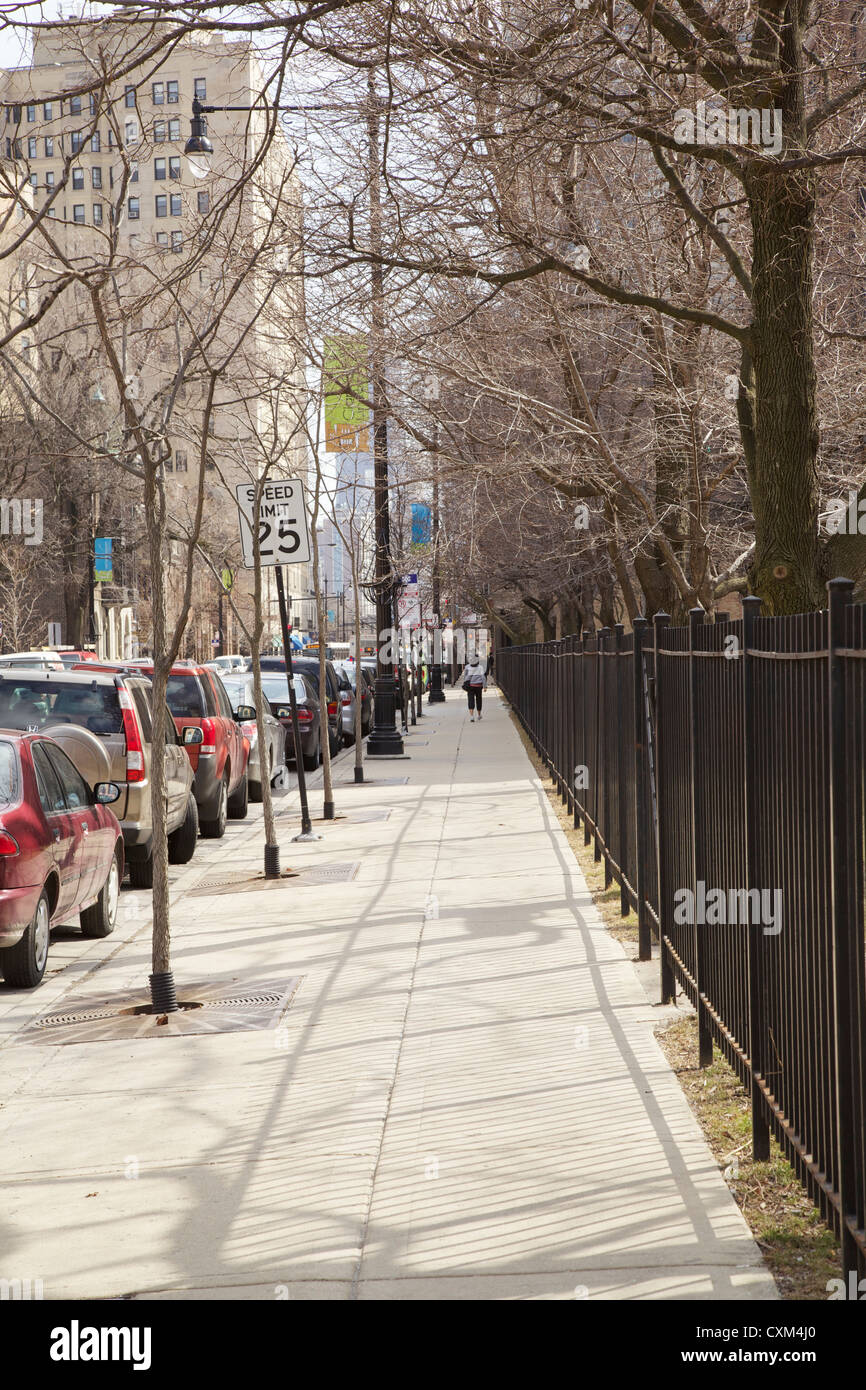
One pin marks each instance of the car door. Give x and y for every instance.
(233, 732)
(96, 834)
(67, 836)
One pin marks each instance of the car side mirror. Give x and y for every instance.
(244, 713)
(106, 792)
(192, 734)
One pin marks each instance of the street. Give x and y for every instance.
(464, 1098)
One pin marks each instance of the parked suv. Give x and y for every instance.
(116, 708)
(197, 700)
(309, 666)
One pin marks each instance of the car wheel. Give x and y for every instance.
(215, 829)
(239, 799)
(24, 963)
(182, 841)
(101, 918)
(141, 872)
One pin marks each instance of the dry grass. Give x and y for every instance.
(800, 1252)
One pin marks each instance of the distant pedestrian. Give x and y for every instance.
(474, 680)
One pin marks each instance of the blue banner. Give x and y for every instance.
(422, 524)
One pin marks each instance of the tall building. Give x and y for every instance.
(213, 358)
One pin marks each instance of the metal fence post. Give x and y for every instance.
(601, 755)
(639, 626)
(757, 1019)
(847, 944)
(705, 1037)
(585, 709)
(668, 984)
(621, 745)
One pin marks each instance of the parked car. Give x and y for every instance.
(61, 853)
(114, 707)
(241, 693)
(309, 666)
(71, 659)
(275, 688)
(197, 700)
(348, 677)
(48, 661)
(226, 665)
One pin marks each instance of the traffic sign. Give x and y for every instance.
(284, 537)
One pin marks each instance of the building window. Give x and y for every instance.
(96, 176)
(159, 132)
(93, 103)
(77, 178)
(169, 465)
(129, 96)
(204, 202)
(110, 138)
(172, 93)
(133, 209)
(75, 106)
(77, 142)
(47, 111)
(133, 173)
(97, 214)
(16, 148)
(162, 240)
(158, 91)
(131, 133)
(95, 142)
(174, 166)
(49, 178)
(161, 205)
(32, 147)
(49, 147)
(176, 205)
(78, 212)
(52, 211)
(56, 359)
(177, 241)
(159, 168)
(209, 463)
(200, 88)
(174, 130)
(31, 112)
(34, 181)
(180, 463)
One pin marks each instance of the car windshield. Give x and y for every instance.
(31, 704)
(276, 688)
(8, 774)
(237, 690)
(184, 697)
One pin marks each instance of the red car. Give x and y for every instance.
(196, 697)
(61, 853)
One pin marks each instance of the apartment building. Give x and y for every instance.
(102, 158)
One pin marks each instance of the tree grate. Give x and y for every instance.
(219, 1008)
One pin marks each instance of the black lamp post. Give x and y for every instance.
(384, 738)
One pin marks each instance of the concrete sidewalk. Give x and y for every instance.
(465, 1099)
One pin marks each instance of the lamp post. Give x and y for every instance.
(384, 739)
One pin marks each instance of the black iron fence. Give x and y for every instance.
(719, 772)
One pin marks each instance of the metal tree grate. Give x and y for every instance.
(221, 884)
(229, 1007)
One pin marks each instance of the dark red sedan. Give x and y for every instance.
(61, 853)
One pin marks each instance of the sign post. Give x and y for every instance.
(283, 538)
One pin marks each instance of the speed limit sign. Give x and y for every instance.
(284, 537)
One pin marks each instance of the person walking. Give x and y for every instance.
(473, 682)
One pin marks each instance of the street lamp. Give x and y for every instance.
(384, 738)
